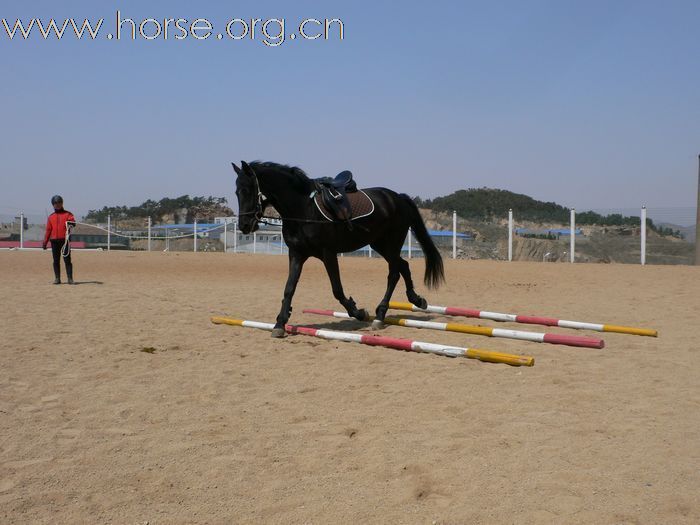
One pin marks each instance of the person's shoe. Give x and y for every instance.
(57, 281)
(70, 280)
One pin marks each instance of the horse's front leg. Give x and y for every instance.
(330, 261)
(296, 263)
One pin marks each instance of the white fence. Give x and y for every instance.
(223, 235)
(665, 218)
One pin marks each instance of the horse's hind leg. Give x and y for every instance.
(330, 261)
(392, 281)
(405, 271)
(390, 249)
(416, 299)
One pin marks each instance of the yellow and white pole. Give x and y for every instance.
(522, 335)
(525, 319)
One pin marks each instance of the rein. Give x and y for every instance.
(259, 218)
(311, 221)
(65, 249)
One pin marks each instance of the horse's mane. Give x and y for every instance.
(299, 175)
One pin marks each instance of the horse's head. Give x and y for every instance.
(250, 205)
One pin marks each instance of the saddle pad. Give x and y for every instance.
(360, 204)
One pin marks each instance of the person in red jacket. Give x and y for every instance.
(57, 226)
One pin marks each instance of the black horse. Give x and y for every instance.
(308, 234)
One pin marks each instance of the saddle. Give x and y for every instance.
(333, 194)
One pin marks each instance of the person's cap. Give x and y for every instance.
(56, 199)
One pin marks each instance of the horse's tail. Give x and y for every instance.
(434, 270)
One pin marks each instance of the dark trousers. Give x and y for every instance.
(56, 246)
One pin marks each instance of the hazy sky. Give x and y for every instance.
(593, 104)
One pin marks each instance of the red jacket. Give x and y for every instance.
(56, 225)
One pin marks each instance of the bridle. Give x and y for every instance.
(259, 208)
(259, 205)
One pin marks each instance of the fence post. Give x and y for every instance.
(370, 251)
(225, 234)
(510, 235)
(255, 242)
(281, 242)
(109, 232)
(149, 234)
(572, 234)
(454, 234)
(697, 221)
(21, 230)
(195, 235)
(643, 233)
(235, 236)
(409, 242)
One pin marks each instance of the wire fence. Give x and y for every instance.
(670, 241)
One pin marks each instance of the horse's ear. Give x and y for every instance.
(236, 169)
(246, 167)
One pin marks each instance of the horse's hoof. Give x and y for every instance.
(362, 315)
(278, 333)
(378, 325)
(417, 300)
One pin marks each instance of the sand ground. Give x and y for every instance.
(226, 425)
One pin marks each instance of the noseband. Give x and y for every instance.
(259, 208)
(259, 205)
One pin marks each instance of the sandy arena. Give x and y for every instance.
(220, 424)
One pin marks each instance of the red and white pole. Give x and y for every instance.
(389, 342)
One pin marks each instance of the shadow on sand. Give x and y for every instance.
(84, 282)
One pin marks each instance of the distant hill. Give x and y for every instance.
(485, 204)
(687, 233)
(178, 209)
